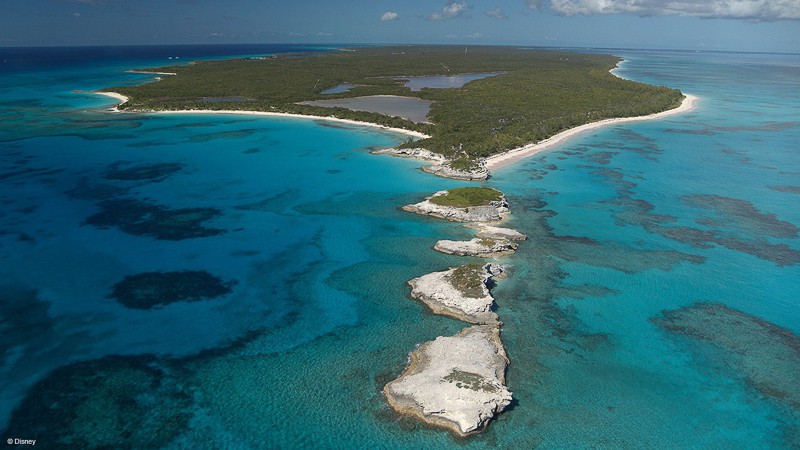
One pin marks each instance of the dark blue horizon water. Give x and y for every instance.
(309, 315)
(33, 58)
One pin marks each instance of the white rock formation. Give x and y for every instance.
(485, 213)
(479, 173)
(440, 295)
(483, 247)
(490, 232)
(454, 382)
(416, 153)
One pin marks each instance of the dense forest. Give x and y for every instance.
(538, 94)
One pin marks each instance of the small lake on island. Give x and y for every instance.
(445, 81)
(338, 89)
(413, 109)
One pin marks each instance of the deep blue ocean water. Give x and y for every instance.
(302, 225)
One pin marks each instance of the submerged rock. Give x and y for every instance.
(456, 382)
(483, 247)
(153, 289)
(461, 292)
(149, 172)
(113, 402)
(766, 354)
(145, 219)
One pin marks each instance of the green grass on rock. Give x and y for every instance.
(467, 196)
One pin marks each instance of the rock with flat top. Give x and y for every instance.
(456, 382)
(491, 212)
(415, 153)
(460, 292)
(481, 247)
(490, 232)
(477, 173)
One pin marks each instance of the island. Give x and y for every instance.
(455, 382)
(510, 103)
(489, 242)
(467, 204)
(460, 292)
(512, 99)
(480, 247)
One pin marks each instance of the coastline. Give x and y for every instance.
(124, 99)
(512, 156)
(491, 163)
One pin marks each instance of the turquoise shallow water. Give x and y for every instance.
(302, 223)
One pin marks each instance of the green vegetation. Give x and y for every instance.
(469, 380)
(468, 280)
(539, 94)
(467, 196)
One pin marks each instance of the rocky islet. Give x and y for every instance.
(458, 382)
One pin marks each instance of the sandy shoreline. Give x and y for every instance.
(415, 134)
(492, 163)
(512, 156)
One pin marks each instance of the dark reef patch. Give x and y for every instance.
(149, 172)
(535, 174)
(113, 402)
(601, 157)
(736, 224)
(88, 189)
(787, 189)
(705, 132)
(145, 219)
(25, 319)
(250, 151)
(233, 134)
(154, 289)
(148, 144)
(742, 215)
(276, 203)
(28, 172)
(764, 354)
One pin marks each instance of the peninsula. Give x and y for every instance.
(528, 97)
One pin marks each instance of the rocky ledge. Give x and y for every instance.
(415, 153)
(456, 382)
(490, 232)
(460, 292)
(492, 211)
(477, 173)
(481, 247)
(441, 166)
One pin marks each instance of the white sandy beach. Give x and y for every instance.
(493, 162)
(415, 134)
(512, 156)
